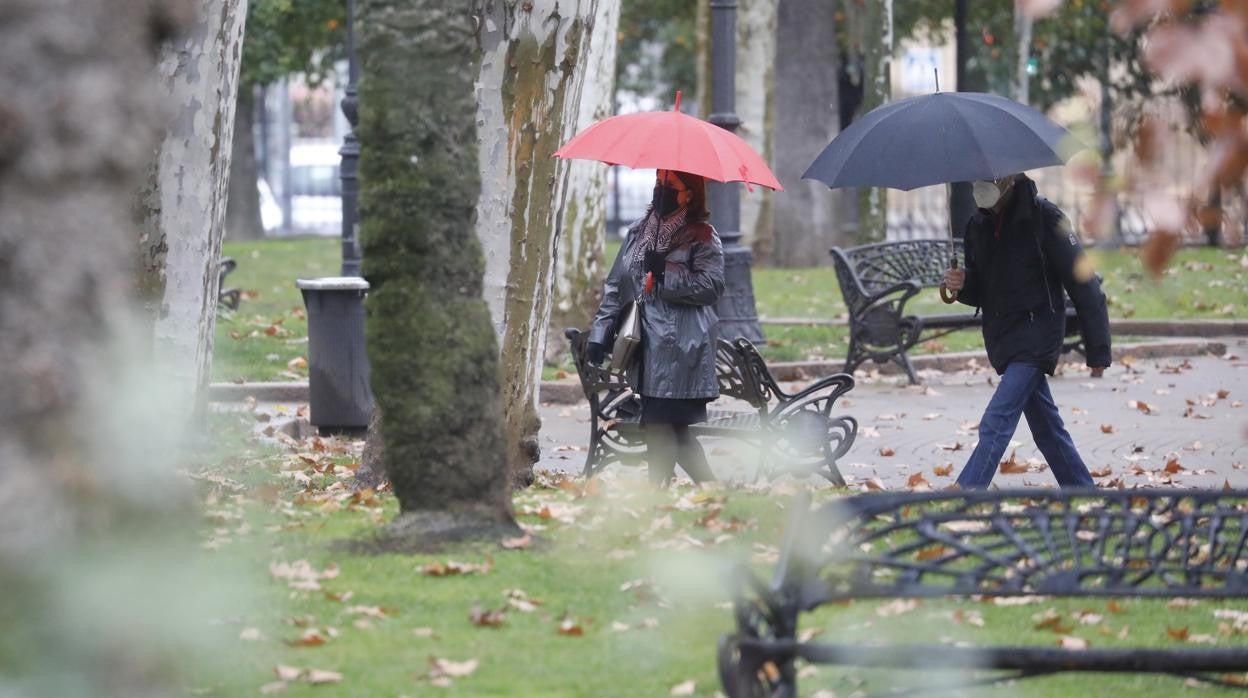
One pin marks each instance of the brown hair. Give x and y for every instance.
(696, 184)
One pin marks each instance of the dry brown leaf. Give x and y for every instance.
(487, 618)
(1068, 642)
(1107, 428)
(287, 673)
(322, 676)
(1223, 394)
(943, 470)
(931, 552)
(1179, 634)
(452, 567)
(875, 484)
(1141, 406)
(339, 595)
(1103, 472)
(1011, 466)
(1173, 466)
(896, 607)
(957, 446)
(568, 626)
(310, 638)
(517, 543)
(917, 480)
(683, 689)
(886, 451)
(371, 611)
(446, 668)
(1114, 607)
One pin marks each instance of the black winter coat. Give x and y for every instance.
(1017, 263)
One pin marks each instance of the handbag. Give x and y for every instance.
(627, 338)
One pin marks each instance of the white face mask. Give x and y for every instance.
(986, 194)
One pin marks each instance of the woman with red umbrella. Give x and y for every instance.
(672, 262)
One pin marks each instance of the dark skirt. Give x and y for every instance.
(680, 411)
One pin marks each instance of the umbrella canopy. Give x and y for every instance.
(940, 138)
(670, 140)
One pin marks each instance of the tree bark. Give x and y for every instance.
(431, 345)
(181, 209)
(528, 104)
(756, 57)
(580, 268)
(878, 53)
(807, 76)
(82, 506)
(242, 209)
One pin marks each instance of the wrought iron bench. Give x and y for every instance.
(794, 433)
(229, 297)
(1059, 543)
(876, 282)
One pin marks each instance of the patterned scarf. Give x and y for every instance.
(657, 235)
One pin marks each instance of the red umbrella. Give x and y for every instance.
(670, 140)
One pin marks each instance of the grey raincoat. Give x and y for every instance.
(678, 316)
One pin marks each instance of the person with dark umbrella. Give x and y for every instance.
(1020, 253)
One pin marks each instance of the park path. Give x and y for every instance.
(932, 426)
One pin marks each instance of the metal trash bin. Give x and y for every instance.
(341, 400)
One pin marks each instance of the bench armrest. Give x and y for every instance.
(840, 383)
(908, 289)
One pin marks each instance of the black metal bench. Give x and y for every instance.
(876, 282)
(1059, 543)
(794, 433)
(229, 297)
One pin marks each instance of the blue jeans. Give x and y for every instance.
(1023, 390)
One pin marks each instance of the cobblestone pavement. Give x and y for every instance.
(1129, 426)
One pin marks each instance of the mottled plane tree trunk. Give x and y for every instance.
(181, 209)
(431, 345)
(579, 269)
(756, 59)
(84, 508)
(528, 103)
(806, 76)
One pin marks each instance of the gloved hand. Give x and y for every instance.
(596, 353)
(655, 263)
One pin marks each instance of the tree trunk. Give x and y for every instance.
(878, 52)
(431, 346)
(529, 96)
(807, 77)
(579, 272)
(85, 511)
(756, 57)
(242, 209)
(181, 209)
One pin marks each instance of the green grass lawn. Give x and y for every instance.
(268, 331)
(634, 578)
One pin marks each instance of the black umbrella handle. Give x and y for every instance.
(945, 294)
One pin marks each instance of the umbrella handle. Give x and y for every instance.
(945, 294)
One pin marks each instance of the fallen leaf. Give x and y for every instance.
(1068, 642)
(287, 673)
(1223, 394)
(273, 688)
(957, 446)
(451, 567)
(423, 632)
(896, 607)
(1173, 466)
(517, 543)
(339, 596)
(487, 618)
(1179, 634)
(931, 553)
(297, 363)
(1107, 428)
(886, 451)
(1141, 406)
(917, 480)
(1103, 472)
(446, 667)
(619, 627)
(683, 689)
(320, 676)
(875, 484)
(1114, 607)
(570, 627)
(371, 611)
(943, 470)
(1011, 466)
(310, 638)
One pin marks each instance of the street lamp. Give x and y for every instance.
(737, 316)
(350, 153)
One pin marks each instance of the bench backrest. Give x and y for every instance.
(1139, 543)
(869, 269)
(739, 370)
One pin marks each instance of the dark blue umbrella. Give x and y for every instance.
(940, 138)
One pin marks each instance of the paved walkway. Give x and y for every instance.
(933, 425)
